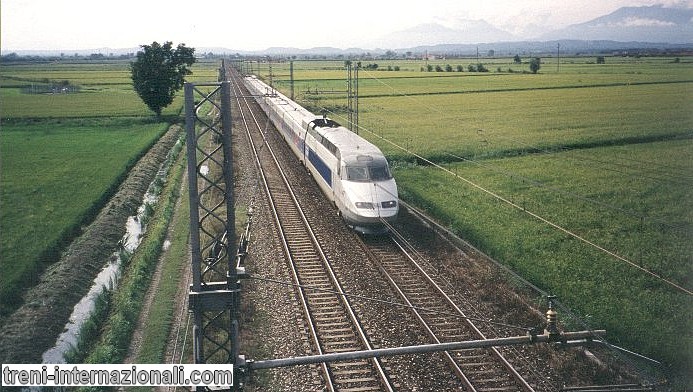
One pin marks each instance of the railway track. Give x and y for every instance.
(441, 318)
(333, 325)
(330, 319)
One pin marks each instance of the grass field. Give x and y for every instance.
(63, 155)
(602, 151)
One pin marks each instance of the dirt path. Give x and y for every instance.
(35, 326)
(179, 306)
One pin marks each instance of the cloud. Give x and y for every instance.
(643, 22)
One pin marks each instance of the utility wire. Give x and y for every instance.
(540, 184)
(413, 98)
(532, 214)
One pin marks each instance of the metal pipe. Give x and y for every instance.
(424, 348)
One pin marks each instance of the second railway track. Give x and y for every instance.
(442, 319)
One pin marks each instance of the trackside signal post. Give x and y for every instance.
(215, 289)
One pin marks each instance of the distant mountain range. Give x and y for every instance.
(642, 24)
(470, 31)
(654, 24)
(649, 27)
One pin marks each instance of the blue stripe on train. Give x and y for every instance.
(320, 166)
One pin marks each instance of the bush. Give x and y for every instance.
(535, 64)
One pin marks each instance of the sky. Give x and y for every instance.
(256, 25)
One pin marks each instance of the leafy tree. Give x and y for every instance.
(517, 59)
(534, 64)
(448, 68)
(159, 72)
(601, 60)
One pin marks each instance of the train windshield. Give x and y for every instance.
(377, 172)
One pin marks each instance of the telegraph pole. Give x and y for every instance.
(353, 95)
(291, 75)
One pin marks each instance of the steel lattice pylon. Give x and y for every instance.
(214, 293)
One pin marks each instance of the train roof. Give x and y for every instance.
(352, 147)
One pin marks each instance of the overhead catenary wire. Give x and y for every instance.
(497, 196)
(540, 184)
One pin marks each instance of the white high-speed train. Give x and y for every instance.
(352, 172)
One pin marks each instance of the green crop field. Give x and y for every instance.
(547, 173)
(63, 155)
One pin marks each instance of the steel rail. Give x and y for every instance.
(468, 382)
(312, 332)
(399, 238)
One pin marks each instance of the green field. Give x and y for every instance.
(63, 155)
(603, 151)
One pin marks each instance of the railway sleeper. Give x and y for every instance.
(334, 330)
(350, 372)
(495, 380)
(498, 389)
(342, 336)
(344, 364)
(321, 295)
(360, 380)
(325, 312)
(474, 364)
(312, 270)
(331, 302)
(360, 389)
(341, 349)
(330, 320)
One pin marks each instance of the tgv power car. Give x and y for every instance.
(352, 172)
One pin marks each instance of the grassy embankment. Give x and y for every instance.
(63, 156)
(603, 151)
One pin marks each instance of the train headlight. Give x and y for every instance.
(389, 204)
(364, 205)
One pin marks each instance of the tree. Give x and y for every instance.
(601, 60)
(517, 59)
(159, 72)
(534, 64)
